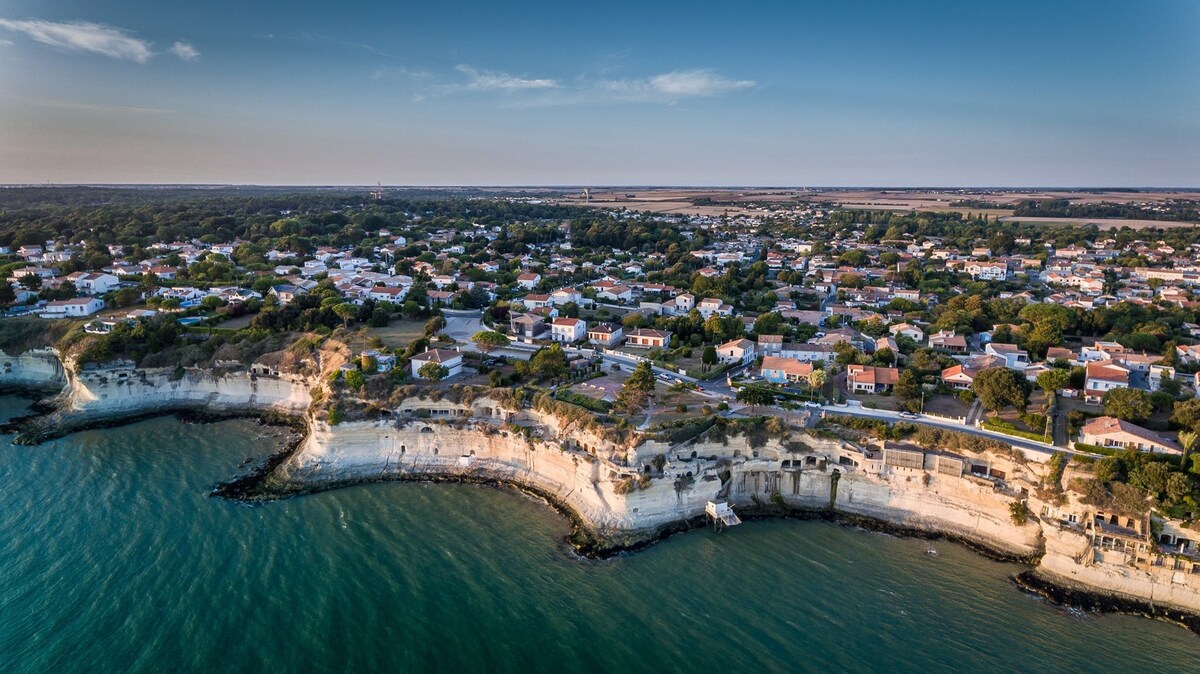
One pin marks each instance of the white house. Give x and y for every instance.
(1103, 377)
(567, 330)
(451, 360)
(79, 306)
(739, 351)
(908, 330)
(528, 280)
(93, 283)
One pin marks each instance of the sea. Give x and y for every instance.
(114, 558)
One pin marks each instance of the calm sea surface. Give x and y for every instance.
(114, 559)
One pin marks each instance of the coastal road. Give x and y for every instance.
(892, 417)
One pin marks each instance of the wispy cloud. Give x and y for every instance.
(483, 80)
(184, 51)
(666, 88)
(674, 86)
(84, 37)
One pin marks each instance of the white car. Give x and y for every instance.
(908, 415)
(810, 403)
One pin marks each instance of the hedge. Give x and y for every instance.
(1008, 429)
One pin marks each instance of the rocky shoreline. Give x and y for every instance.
(260, 485)
(1063, 594)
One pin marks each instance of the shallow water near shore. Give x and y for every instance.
(113, 558)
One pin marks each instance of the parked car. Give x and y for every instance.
(908, 415)
(809, 403)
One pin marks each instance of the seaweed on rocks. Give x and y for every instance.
(1100, 602)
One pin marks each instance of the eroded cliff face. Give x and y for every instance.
(39, 369)
(606, 495)
(120, 391)
(99, 395)
(1071, 560)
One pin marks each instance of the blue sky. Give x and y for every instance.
(699, 93)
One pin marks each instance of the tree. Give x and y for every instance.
(641, 379)
(1000, 387)
(355, 379)
(1187, 414)
(489, 340)
(709, 357)
(1053, 380)
(816, 380)
(345, 311)
(908, 387)
(549, 362)
(7, 294)
(756, 396)
(632, 400)
(433, 371)
(1129, 404)
(1187, 440)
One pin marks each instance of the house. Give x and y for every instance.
(962, 376)
(605, 334)
(987, 271)
(615, 293)
(808, 353)
(740, 351)
(908, 330)
(79, 306)
(949, 342)
(451, 360)
(868, 379)
(710, 306)
(93, 283)
(286, 292)
(567, 330)
(387, 294)
(770, 345)
(528, 280)
(1103, 377)
(1115, 433)
(529, 326)
(1014, 357)
(958, 377)
(565, 296)
(649, 339)
(536, 301)
(1056, 353)
(785, 370)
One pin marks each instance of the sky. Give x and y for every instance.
(919, 93)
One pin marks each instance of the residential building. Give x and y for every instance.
(785, 370)
(451, 360)
(1116, 433)
(869, 379)
(568, 330)
(737, 351)
(72, 308)
(605, 334)
(648, 339)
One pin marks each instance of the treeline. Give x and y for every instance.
(296, 221)
(1063, 208)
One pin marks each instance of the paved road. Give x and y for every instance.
(460, 325)
(928, 420)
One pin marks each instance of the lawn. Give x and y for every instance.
(399, 334)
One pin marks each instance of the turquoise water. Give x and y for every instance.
(114, 559)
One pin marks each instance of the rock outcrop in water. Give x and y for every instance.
(620, 494)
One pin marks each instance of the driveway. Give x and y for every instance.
(460, 325)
